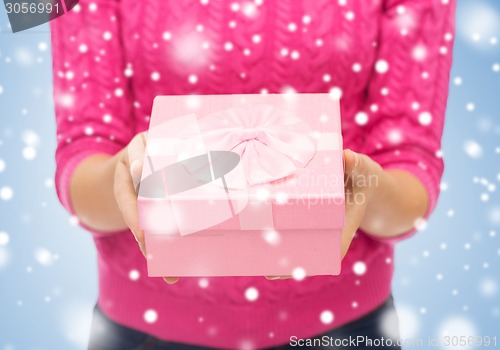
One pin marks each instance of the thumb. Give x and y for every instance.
(352, 164)
(136, 150)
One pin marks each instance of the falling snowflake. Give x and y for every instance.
(406, 317)
(155, 76)
(4, 238)
(488, 287)
(494, 216)
(44, 257)
(150, 316)
(29, 153)
(425, 118)
(356, 67)
(359, 268)
(272, 237)
(419, 53)
(134, 275)
(6, 193)
(381, 66)
(326, 317)
(30, 138)
(473, 149)
(299, 273)
(335, 93)
(457, 326)
(251, 294)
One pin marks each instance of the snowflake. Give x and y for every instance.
(150, 316)
(4, 238)
(295, 55)
(6, 193)
(44, 257)
(425, 118)
(359, 268)
(249, 10)
(456, 327)
(203, 283)
(419, 53)
(107, 118)
(361, 118)
(326, 317)
(134, 275)
(107, 35)
(382, 66)
(350, 16)
(271, 237)
(488, 287)
(155, 76)
(335, 93)
(251, 294)
(30, 138)
(299, 273)
(29, 153)
(167, 36)
(235, 7)
(473, 149)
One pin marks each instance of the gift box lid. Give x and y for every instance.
(242, 161)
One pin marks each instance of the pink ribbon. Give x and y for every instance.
(271, 142)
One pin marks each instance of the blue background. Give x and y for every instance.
(447, 276)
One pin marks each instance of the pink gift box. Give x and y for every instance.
(243, 185)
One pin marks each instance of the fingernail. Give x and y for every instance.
(142, 248)
(171, 280)
(355, 168)
(272, 278)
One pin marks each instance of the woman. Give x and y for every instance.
(388, 60)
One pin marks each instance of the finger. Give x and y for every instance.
(352, 162)
(142, 247)
(137, 146)
(284, 277)
(126, 199)
(354, 213)
(171, 280)
(271, 278)
(135, 154)
(136, 173)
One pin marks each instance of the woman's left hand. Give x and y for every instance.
(358, 187)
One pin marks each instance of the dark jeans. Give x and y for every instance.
(108, 335)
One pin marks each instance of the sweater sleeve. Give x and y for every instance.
(407, 94)
(91, 92)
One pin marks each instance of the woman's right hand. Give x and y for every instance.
(127, 177)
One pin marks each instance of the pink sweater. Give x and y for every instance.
(390, 60)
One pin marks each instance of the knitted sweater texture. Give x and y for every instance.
(388, 59)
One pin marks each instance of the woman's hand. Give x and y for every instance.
(382, 203)
(126, 184)
(357, 168)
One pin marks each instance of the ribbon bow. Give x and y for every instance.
(271, 142)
